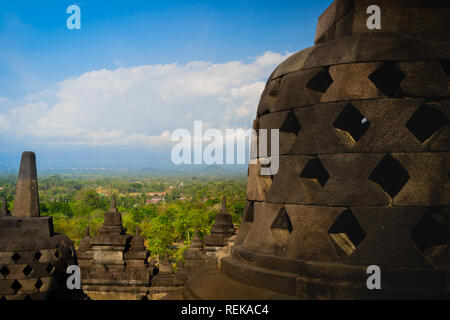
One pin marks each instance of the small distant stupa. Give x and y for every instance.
(114, 265)
(221, 230)
(195, 256)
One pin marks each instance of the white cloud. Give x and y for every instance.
(141, 105)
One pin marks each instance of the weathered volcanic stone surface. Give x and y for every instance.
(352, 82)
(388, 240)
(246, 223)
(364, 165)
(331, 180)
(423, 79)
(363, 48)
(258, 184)
(26, 203)
(277, 97)
(337, 127)
(290, 126)
(439, 140)
(428, 172)
(12, 227)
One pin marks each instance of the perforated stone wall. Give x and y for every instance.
(36, 274)
(364, 162)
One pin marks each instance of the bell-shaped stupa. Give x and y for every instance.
(33, 258)
(221, 231)
(364, 156)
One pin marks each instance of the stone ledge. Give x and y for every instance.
(363, 48)
(211, 284)
(38, 243)
(14, 227)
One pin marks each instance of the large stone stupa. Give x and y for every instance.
(33, 258)
(364, 162)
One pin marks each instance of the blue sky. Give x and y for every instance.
(132, 51)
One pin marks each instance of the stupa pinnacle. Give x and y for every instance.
(27, 200)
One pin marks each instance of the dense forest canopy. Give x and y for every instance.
(167, 209)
